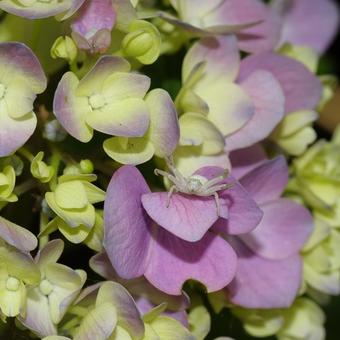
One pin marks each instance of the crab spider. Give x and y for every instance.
(195, 184)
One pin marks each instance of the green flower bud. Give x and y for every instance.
(7, 184)
(40, 169)
(64, 47)
(86, 166)
(143, 42)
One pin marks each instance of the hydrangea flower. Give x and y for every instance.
(269, 270)
(160, 139)
(40, 169)
(92, 27)
(21, 79)
(17, 268)
(164, 235)
(59, 285)
(233, 97)
(37, 9)
(109, 99)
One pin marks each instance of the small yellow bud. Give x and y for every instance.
(86, 166)
(64, 47)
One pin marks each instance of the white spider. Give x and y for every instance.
(195, 184)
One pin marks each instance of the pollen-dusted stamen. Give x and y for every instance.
(194, 185)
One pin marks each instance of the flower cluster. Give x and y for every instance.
(169, 148)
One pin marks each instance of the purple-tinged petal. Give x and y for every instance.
(93, 81)
(37, 10)
(269, 101)
(210, 261)
(50, 253)
(282, 232)
(267, 182)
(126, 225)
(301, 88)
(17, 236)
(262, 283)
(71, 110)
(245, 160)
(312, 23)
(243, 212)
(14, 132)
(93, 16)
(188, 217)
(18, 60)
(164, 126)
(221, 56)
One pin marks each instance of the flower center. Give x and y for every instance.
(12, 284)
(2, 90)
(97, 101)
(46, 287)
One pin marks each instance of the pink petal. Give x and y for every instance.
(301, 88)
(126, 235)
(245, 160)
(282, 232)
(267, 182)
(262, 283)
(210, 261)
(264, 36)
(312, 23)
(188, 216)
(243, 212)
(269, 102)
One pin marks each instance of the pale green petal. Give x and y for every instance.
(99, 323)
(230, 108)
(200, 322)
(198, 130)
(120, 86)
(73, 217)
(50, 253)
(74, 234)
(120, 334)
(12, 303)
(169, 329)
(131, 151)
(155, 312)
(128, 118)
(19, 97)
(71, 195)
(94, 239)
(93, 193)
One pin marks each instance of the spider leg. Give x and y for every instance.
(216, 180)
(171, 165)
(171, 191)
(217, 203)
